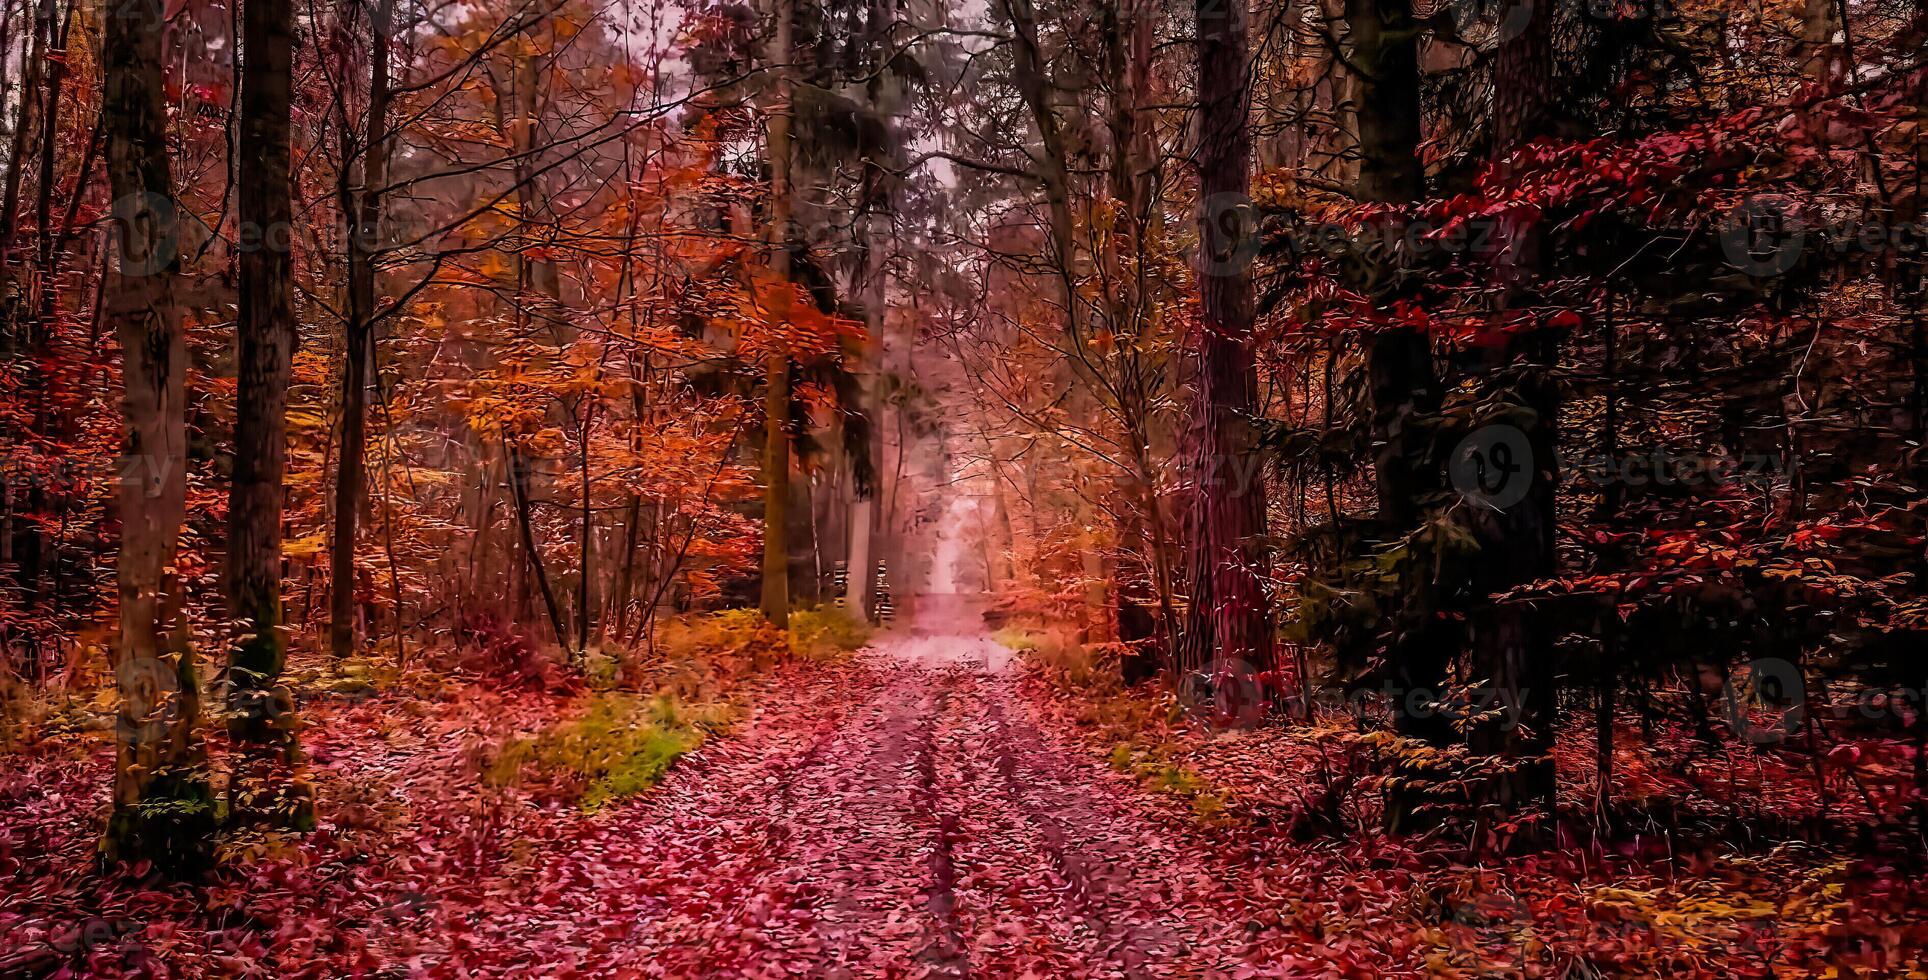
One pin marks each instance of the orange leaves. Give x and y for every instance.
(769, 313)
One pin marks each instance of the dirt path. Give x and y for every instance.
(907, 815)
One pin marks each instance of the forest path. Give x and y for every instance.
(909, 814)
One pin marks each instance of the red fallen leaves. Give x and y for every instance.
(916, 813)
(1647, 906)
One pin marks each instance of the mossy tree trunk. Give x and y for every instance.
(163, 809)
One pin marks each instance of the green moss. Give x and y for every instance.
(641, 766)
(621, 745)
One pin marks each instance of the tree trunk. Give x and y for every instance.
(261, 710)
(362, 208)
(776, 396)
(1511, 648)
(1402, 380)
(1228, 623)
(583, 611)
(25, 121)
(163, 808)
(525, 523)
(857, 569)
(22, 331)
(45, 238)
(1028, 73)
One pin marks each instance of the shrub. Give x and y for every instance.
(502, 654)
(741, 632)
(826, 633)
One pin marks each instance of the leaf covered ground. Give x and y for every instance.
(937, 805)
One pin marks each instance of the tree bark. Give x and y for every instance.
(1512, 649)
(163, 808)
(24, 125)
(525, 523)
(262, 721)
(776, 395)
(1228, 626)
(362, 208)
(1402, 379)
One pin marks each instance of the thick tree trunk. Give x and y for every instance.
(25, 122)
(261, 710)
(362, 207)
(1402, 379)
(1820, 50)
(859, 568)
(1511, 648)
(1228, 626)
(856, 570)
(44, 233)
(776, 396)
(22, 330)
(163, 808)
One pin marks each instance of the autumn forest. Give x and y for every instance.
(1010, 488)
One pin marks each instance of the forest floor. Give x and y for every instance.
(933, 806)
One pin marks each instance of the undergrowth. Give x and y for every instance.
(620, 745)
(826, 633)
(649, 711)
(1141, 724)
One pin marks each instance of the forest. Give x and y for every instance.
(1010, 488)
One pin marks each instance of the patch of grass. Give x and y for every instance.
(621, 743)
(1152, 767)
(1016, 638)
(826, 633)
(619, 746)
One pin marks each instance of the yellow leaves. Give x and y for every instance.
(307, 418)
(494, 265)
(306, 546)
